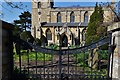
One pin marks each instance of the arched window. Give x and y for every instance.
(48, 34)
(72, 17)
(59, 17)
(39, 5)
(86, 17)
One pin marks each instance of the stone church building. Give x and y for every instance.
(62, 25)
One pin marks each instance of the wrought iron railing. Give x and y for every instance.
(88, 62)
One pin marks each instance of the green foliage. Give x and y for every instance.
(20, 76)
(24, 21)
(32, 56)
(40, 56)
(38, 42)
(26, 35)
(43, 40)
(104, 54)
(102, 72)
(82, 59)
(95, 31)
(105, 47)
(16, 31)
(54, 46)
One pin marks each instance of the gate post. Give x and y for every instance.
(110, 57)
(115, 59)
(116, 55)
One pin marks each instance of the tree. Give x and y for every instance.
(115, 8)
(95, 30)
(25, 20)
(16, 31)
(26, 36)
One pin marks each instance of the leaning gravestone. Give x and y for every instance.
(93, 58)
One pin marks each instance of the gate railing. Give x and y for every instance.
(85, 62)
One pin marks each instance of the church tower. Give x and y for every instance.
(40, 13)
(113, 4)
(113, 9)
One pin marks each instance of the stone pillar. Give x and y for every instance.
(116, 56)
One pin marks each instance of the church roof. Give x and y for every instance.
(62, 24)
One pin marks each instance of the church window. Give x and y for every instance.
(39, 4)
(72, 17)
(59, 17)
(86, 17)
(48, 34)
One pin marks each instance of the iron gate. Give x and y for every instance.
(87, 63)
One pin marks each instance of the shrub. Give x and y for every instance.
(82, 58)
(26, 35)
(43, 40)
(38, 41)
(104, 54)
(54, 46)
(20, 76)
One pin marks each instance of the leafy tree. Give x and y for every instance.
(95, 31)
(16, 31)
(115, 8)
(25, 20)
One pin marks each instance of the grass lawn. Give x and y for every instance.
(32, 56)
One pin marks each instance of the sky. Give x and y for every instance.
(10, 14)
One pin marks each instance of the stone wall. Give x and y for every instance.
(73, 30)
(0, 50)
(7, 51)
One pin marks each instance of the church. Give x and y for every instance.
(63, 26)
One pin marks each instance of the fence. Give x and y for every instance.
(88, 62)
